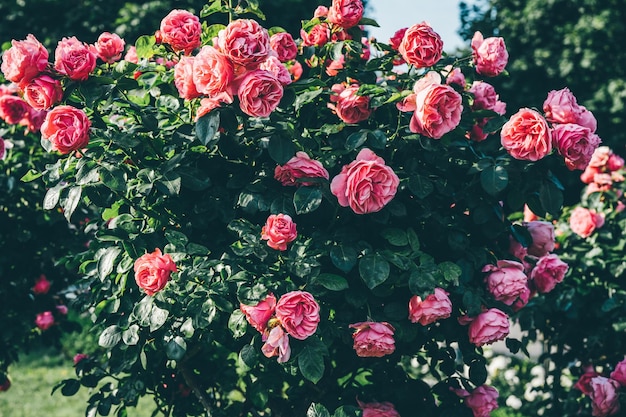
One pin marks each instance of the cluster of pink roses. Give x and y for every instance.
(603, 391)
(384, 409)
(295, 314)
(45, 320)
(153, 270)
(604, 169)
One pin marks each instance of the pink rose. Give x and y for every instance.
(336, 65)
(490, 55)
(184, 78)
(455, 77)
(181, 30)
(42, 285)
(34, 120)
(131, 55)
(345, 13)
(584, 382)
(615, 162)
(561, 107)
(438, 111)
(277, 344)
(506, 281)
(350, 107)
(549, 271)
(79, 357)
(279, 230)
(44, 320)
(583, 221)
(62, 309)
(486, 98)
(435, 307)
(258, 315)
(300, 166)
(366, 184)
(285, 47)
(3, 148)
(483, 400)
(295, 69)
(619, 373)
(24, 60)
(208, 104)
(259, 93)
(109, 47)
(212, 71)
(74, 59)
(13, 109)
(542, 234)
(245, 42)
(67, 128)
(319, 35)
(384, 409)
(488, 327)
(153, 270)
(587, 119)
(604, 396)
(298, 313)
(421, 46)
(320, 11)
(280, 71)
(43, 92)
(526, 135)
(575, 143)
(373, 339)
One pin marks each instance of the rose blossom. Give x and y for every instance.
(483, 400)
(549, 271)
(43, 92)
(295, 69)
(42, 285)
(615, 162)
(488, 327)
(212, 71)
(109, 47)
(210, 103)
(421, 46)
(584, 382)
(3, 148)
(153, 270)
(583, 221)
(335, 66)
(67, 128)
(277, 344)
(319, 35)
(13, 109)
(619, 373)
(131, 55)
(526, 135)
(384, 409)
(345, 13)
(280, 71)
(44, 320)
(24, 60)
(506, 281)
(259, 93)
(435, 307)
(395, 42)
(438, 111)
(298, 313)
(561, 107)
(587, 119)
(279, 230)
(74, 59)
(285, 47)
(604, 396)
(542, 234)
(486, 98)
(490, 55)
(366, 184)
(373, 339)
(34, 120)
(62, 309)
(350, 107)
(259, 314)
(79, 357)
(575, 143)
(300, 166)
(455, 76)
(181, 30)
(245, 42)
(184, 78)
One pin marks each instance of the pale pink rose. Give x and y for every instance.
(13, 109)
(280, 71)
(333, 68)
(279, 230)
(42, 92)
(490, 55)
(62, 309)
(435, 307)
(350, 107)
(384, 409)
(181, 30)
(131, 55)
(549, 271)
(486, 98)
(345, 13)
(259, 93)
(604, 396)
(34, 120)
(67, 128)
(584, 382)
(619, 373)
(587, 119)
(421, 46)
(245, 42)
(320, 11)
(438, 111)
(526, 136)
(575, 143)
(372, 339)
(407, 104)
(366, 185)
(8, 89)
(277, 344)
(488, 327)
(153, 270)
(455, 77)
(44, 320)
(542, 234)
(24, 60)
(184, 78)
(74, 58)
(427, 80)
(79, 357)
(395, 42)
(212, 71)
(285, 47)
(42, 285)
(208, 104)
(483, 400)
(584, 222)
(561, 107)
(298, 313)
(529, 215)
(319, 35)
(109, 47)
(506, 281)
(300, 166)
(259, 314)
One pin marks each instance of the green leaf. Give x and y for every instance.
(70, 387)
(249, 355)
(176, 238)
(281, 149)
(311, 364)
(237, 324)
(413, 239)
(52, 196)
(332, 282)
(306, 97)
(374, 270)
(356, 139)
(110, 336)
(377, 139)
(422, 280)
(317, 410)
(114, 179)
(106, 262)
(176, 348)
(368, 22)
(187, 328)
(421, 186)
(144, 46)
(494, 179)
(207, 127)
(169, 184)
(347, 411)
(451, 272)
(71, 202)
(343, 257)
(307, 199)
(158, 317)
(31, 175)
(214, 6)
(551, 198)
(130, 336)
(478, 372)
(397, 237)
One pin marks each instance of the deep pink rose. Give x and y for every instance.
(24, 60)
(300, 166)
(258, 315)
(67, 128)
(245, 42)
(583, 221)
(277, 344)
(109, 47)
(384, 409)
(395, 42)
(576, 143)
(279, 230)
(372, 339)
(526, 135)
(280, 71)
(486, 98)
(184, 78)
(619, 373)
(295, 69)
(42, 285)
(584, 382)
(285, 47)
(42, 92)
(542, 234)
(561, 107)
(74, 59)
(483, 400)
(549, 271)
(79, 357)
(604, 396)
(319, 35)
(62, 309)
(438, 111)
(345, 13)
(490, 55)
(366, 184)
(298, 313)
(44, 320)
(13, 109)
(181, 30)
(350, 107)
(208, 104)
(615, 162)
(212, 71)
(421, 46)
(435, 307)
(153, 270)
(259, 93)
(506, 281)
(488, 327)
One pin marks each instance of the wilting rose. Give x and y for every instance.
(285, 47)
(372, 339)
(561, 107)
(542, 234)
(42, 285)
(259, 314)
(212, 71)
(277, 344)
(438, 111)
(488, 327)
(483, 400)
(153, 270)
(435, 307)
(584, 382)
(619, 373)
(279, 230)
(421, 46)
(526, 135)
(79, 357)
(300, 166)
(350, 107)
(181, 30)
(384, 409)
(280, 71)
(109, 47)
(24, 60)
(74, 58)
(549, 271)
(584, 222)
(184, 78)
(67, 128)
(259, 93)
(506, 281)
(366, 185)
(42, 92)
(575, 143)
(319, 35)
(604, 396)
(13, 109)
(490, 55)
(44, 320)
(245, 42)
(298, 313)
(345, 13)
